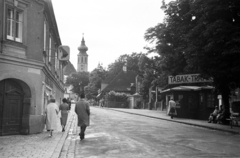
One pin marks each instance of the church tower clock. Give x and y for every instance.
(82, 57)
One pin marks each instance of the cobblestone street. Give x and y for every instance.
(127, 133)
(117, 134)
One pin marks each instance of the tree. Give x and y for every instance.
(78, 81)
(170, 45)
(214, 43)
(131, 61)
(147, 70)
(96, 78)
(200, 36)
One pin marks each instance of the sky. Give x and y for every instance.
(111, 27)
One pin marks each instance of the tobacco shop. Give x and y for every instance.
(194, 96)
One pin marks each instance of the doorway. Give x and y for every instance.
(11, 107)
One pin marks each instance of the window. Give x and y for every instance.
(210, 100)
(44, 35)
(180, 100)
(192, 101)
(45, 54)
(56, 59)
(81, 59)
(14, 24)
(50, 49)
(61, 73)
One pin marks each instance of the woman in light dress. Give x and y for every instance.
(172, 108)
(64, 107)
(51, 111)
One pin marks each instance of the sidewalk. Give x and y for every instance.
(163, 116)
(35, 145)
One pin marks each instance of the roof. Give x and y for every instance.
(69, 69)
(187, 88)
(108, 79)
(122, 82)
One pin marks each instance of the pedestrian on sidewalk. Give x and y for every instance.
(213, 115)
(83, 112)
(221, 117)
(51, 111)
(172, 108)
(64, 107)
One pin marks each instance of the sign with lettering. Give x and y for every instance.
(190, 78)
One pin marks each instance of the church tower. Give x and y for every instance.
(82, 57)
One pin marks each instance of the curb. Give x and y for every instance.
(186, 123)
(57, 150)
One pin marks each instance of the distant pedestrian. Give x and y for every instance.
(172, 108)
(213, 115)
(83, 111)
(221, 114)
(64, 107)
(51, 111)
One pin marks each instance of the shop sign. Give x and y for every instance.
(190, 78)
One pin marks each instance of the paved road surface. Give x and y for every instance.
(114, 134)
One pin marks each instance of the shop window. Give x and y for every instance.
(14, 24)
(191, 102)
(210, 100)
(179, 102)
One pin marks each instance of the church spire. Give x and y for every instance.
(83, 48)
(82, 57)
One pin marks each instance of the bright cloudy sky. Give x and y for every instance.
(111, 27)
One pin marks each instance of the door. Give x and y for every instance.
(12, 108)
(193, 102)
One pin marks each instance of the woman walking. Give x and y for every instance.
(64, 107)
(172, 108)
(51, 116)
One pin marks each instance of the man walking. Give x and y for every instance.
(83, 111)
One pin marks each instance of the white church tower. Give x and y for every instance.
(82, 57)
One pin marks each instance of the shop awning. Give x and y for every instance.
(187, 88)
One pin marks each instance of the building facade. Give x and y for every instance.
(82, 57)
(31, 69)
